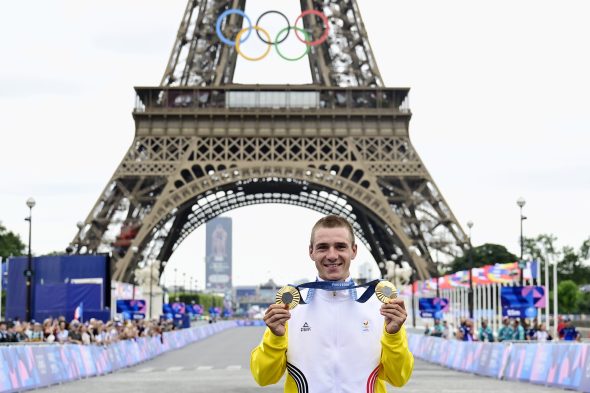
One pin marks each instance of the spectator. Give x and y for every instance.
(569, 332)
(530, 328)
(19, 334)
(3, 332)
(506, 332)
(437, 329)
(75, 336)
(542, 334)
(518, 332)
(84, 335)
(62, 332)
(485, 332)
(11, 334)
(466, 330)
(36, 335)
(446, 330)
(560, 326)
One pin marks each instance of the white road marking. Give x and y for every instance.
(202, 368)
(145, 370)
(174, 369)
(238, 367)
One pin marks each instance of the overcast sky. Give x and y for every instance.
(500, 95)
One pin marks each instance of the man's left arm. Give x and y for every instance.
(397, 362)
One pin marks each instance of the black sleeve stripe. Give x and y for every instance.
(299, 378)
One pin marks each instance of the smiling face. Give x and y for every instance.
(332, 251)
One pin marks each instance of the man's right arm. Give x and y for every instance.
(268, 361)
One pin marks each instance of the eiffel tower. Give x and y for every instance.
(204, 145)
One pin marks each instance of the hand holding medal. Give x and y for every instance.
(393, 309)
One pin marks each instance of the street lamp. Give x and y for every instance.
(175, 287)
(521, 202)
(134, 250)
(470, 259)
(151, 286)
(29, 271)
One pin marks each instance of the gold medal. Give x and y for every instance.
(385, 291)
(288, 295)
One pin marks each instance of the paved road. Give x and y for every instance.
(221, 364)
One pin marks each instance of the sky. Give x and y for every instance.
(499, 95)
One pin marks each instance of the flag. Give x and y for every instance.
(79, 312)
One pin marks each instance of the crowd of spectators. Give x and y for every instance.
(94, 331)
(512, 329)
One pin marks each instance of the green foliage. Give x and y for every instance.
(584, 304)
(571, 264)
(569, 297)
(10, 244)
(486, 254)
(206, 300)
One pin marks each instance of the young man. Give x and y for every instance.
(334, 342)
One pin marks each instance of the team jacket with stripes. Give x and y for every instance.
(334, 345)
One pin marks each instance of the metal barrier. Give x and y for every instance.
(563, 365)
(24, 367)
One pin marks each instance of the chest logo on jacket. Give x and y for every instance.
(365, 326)
(306, 328)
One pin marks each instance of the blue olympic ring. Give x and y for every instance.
(220, 19)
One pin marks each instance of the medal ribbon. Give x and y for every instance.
(341, 286)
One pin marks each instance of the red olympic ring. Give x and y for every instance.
(324, 19)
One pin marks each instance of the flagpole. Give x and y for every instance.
(555, 295)
(547, 324)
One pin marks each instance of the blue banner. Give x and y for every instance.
(522, 302)
(432, 307)
(131, 308)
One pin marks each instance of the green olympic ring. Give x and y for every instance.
(287, 29)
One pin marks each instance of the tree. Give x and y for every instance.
(569, 297)
(584, 305)
(570, 263)
(10, 244)
(486, 254)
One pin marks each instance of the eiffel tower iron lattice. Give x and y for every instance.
(204, 146)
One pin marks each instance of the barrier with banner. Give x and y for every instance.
(551, 364)
(24, 367)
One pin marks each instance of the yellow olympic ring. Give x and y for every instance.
(239, 36)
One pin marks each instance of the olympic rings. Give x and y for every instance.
(258, 23)
(288, 28)
(239, 40)
(239, 36)
(220, 19)
(324, 18)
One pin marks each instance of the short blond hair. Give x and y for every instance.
(332, 221)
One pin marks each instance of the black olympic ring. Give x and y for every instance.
(258, 24)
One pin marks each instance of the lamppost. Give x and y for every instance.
(134, 250)
(521, 202)
(470, 260)
(29, 271)
(152, 285)
(175, 287)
